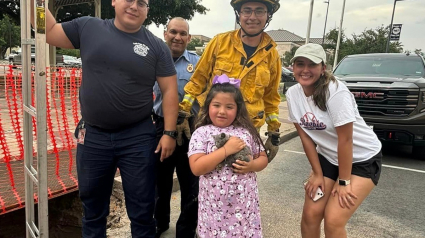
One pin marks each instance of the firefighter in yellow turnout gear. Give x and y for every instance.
(248, 54)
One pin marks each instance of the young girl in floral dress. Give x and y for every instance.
(228, 195)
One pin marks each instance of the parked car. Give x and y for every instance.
(287, 79)
(287, 75)
(11, 55)
(14, 54)
(390, 93)
(71, 61)
(16, 59)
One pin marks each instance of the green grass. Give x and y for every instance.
(282, 97)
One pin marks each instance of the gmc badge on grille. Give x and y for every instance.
(368, 95)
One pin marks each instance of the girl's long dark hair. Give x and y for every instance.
(242, 118)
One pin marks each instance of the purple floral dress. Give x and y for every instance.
(228, 202)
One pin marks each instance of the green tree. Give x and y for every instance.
(332, 36)
(10, 34)
(71, 52)
(369, 41)
(160, 11)
(419, 52)
(11, 9)
(288, 56)
(373, 41)
(70, 12)
(195, 42)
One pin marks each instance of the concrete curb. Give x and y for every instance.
(288, 136)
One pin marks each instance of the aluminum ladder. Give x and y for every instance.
(35, 177)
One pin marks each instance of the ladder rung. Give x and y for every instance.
(32, 172)
(28, 41)
(33, 230)
(31, 110)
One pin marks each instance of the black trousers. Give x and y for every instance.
(132, 151)
(189, 187)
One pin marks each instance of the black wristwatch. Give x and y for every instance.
(172, 134)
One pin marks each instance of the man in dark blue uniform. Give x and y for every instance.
(177, 37)
(121, 63)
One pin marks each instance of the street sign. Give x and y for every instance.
(395, 32)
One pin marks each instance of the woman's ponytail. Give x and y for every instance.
(321, 90)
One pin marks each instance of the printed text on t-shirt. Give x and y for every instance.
(310, 122)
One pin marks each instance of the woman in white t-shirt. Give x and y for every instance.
(344, 153)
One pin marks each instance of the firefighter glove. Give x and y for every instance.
(183, 127)
(272, 144)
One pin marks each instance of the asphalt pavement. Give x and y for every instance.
(394, 209)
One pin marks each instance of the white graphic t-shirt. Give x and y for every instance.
(320, 125)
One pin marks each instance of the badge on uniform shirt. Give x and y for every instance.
(190, 68)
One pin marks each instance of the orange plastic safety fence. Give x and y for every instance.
(62, 117)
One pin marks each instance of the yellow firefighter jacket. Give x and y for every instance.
(260, 76)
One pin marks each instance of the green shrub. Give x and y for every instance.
(71, 52)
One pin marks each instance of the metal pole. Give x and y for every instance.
(391, 26)
(326, 20)
(97, 8)
(339, 35)
(307, 39)
(41, 103)
(10, 37)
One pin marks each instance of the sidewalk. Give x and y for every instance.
(287, 128)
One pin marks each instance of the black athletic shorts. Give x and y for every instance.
(368, 169)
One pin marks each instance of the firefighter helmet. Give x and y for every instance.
(272, 5)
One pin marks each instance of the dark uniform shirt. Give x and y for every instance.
(119, 71)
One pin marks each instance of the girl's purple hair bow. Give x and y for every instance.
(225, 79)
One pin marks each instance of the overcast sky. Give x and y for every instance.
(293, 16)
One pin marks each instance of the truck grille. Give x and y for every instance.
(386, 102)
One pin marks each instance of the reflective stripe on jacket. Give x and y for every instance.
(260, 76)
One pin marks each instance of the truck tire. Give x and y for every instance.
(12, 62)
(284, 89)
(419, 152)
